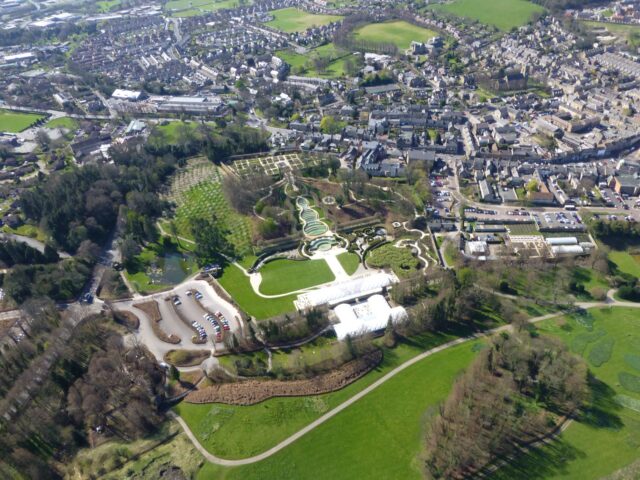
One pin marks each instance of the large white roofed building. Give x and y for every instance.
(369, 316)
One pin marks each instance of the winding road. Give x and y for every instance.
(609, 302)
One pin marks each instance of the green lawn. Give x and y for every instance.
(349, 261)
(236, 432)
(236, 283)
(625, 262)
(303, 64)
(503, 14)
(282, 276)
(609, 437)
(62, 122)
(14, 122)
(191, 8)
(390, 419)
(292, 19)
(398, 32)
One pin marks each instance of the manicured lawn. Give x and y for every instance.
(625, 262)
(236, 432)
(282, 276)
(14, 122)
(400, 260)
(399, 33)
(609, 437)
(503, 14)
(292, 19)
(349, 261)
(236, 283)
(62, 122)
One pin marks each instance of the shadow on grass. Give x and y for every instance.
(600, 412)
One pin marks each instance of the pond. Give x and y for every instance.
(171, 268)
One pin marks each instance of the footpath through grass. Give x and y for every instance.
(283, 276)
(237, 284)
(503, 14)
(237, 432)
(14, 122)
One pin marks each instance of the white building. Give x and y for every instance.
(369, 316)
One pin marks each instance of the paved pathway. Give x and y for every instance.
(332, 413)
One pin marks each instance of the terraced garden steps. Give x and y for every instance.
(312, 225)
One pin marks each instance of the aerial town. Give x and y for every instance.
(265, 238)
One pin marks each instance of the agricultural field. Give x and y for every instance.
(14, 122)
(607, 438)
(303, 64)
(292, 20)
(197, 192)
(349, 261)
(283, 276)
(400, 260)
(191, 8)
(237, 284)
(502, 14)
(399, 33)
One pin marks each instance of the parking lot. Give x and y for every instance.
(180, 308)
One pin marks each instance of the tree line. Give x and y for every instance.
(512, 394)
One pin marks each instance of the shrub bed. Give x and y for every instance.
(151, 309)
(186, 358)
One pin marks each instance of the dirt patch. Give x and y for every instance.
(250, 392)
(151, 309)
(128, 319)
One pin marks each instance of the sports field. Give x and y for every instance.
(14, 122)
(503, 14)
(399, 33)
(292, 19)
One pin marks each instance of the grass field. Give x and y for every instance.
(197, 192)
(62, 122)
(108, 5)
(14, 122)
(503, 14)
(236, 432)
(400, 260)
(626, 33)
(283, 276)
(303, 64)
(608, 437)
(191, 8)
(237, 284)
(398, 32)
(292, 19)
(625, 262)
(349, 261)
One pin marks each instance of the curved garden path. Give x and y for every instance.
(347, 403)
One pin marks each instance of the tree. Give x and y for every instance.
(211, 241)
(329, 125)
(532, 185)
